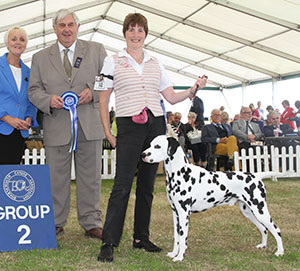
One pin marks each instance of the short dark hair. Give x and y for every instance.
(133, 19)
(286, 102)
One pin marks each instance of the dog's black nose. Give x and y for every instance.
(143, 155)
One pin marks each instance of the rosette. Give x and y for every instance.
(70, 103)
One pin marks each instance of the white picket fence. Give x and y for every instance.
(108, 162)
(283, 164)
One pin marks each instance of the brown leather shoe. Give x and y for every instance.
(59, 231)
(94, 233)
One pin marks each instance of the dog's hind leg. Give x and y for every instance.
(174, 253)
(265, 219)
(263, 230)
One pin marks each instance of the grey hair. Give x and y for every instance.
(274, 113)
(22, 30)
(62, 13)
(192, 115)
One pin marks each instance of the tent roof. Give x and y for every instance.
(233, 42)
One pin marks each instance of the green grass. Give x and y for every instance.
(219, 239)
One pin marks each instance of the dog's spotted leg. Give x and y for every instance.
(264, 217)
(248, 213)
(174, 253)
(182, 228)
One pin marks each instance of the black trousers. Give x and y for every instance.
(11, 148)
(132, 139)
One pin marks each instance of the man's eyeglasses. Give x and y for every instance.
(275, 118)
(247, 112)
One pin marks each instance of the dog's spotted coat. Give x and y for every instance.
(193, 189)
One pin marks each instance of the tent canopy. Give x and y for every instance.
(235, 42)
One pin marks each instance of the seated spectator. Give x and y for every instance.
(194, 141)
(237, 117)
(287, 114)
(270, 108)
(224, 117)
(220, 135)
(297, 116)
(170, 131)
(268, 119)
(277, 129)
(179, 129)
(245, 131)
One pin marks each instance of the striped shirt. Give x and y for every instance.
(134, 92)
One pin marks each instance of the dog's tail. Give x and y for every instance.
(269, 174)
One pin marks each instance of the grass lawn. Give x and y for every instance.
(219, 239)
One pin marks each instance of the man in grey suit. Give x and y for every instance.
(246, 132)
(49, 79)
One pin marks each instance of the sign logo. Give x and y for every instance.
(18, 185)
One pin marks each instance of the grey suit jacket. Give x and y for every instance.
(48, 78)
(239, 130)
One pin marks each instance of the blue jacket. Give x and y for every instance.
(13, 102)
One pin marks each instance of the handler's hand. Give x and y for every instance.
(57, 102)
(112, 139)
(85, 96)
(200, 83)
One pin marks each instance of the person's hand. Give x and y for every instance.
(17, 123)
(251, 138)
(85, 96)
(57, 102)
(112, 139)
(200, 83)
(223, 140)
(28, 120)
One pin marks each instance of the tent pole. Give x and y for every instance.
(274, 92)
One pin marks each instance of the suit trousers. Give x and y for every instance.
(132, 139)
(88, 158)
(12, 148)
(228, 148)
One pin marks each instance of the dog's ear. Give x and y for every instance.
(172, 145)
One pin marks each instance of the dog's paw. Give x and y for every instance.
(279, 253)
(178, 258)
(171, 254)
(261, 246)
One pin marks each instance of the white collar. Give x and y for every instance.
(71, 48)
(124, 53)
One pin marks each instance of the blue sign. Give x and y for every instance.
(26, 212)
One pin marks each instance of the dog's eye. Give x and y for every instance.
(157, 147)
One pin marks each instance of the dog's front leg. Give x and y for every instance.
(182, 231)
(174, 253)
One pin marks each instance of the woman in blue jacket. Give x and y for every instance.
(17, 114)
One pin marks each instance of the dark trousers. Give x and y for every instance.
(12, 148)
(199, 152)
(132, 139)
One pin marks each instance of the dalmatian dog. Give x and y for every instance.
(191, 189)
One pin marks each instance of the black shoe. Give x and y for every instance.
(106, 253)
(147, 245)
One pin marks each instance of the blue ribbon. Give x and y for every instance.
(70, 103)
(165, 113)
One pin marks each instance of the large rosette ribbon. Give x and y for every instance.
(70, 103)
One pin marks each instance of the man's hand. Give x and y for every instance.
(57, 102)
(251, 138)
(85, 96)
(223, 140)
